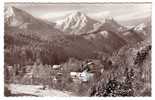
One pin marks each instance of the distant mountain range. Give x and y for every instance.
(78, 34)
(75, 23)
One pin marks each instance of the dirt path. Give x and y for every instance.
(35, 90)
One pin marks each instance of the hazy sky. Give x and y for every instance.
(55, 12)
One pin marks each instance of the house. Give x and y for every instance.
(56, 67)
(81, 76)
(85, 76)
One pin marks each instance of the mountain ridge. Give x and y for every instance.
(18, 19)
(76, 21)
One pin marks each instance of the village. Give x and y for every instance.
(61, 77)
(75, 77)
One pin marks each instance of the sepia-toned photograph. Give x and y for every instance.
(77, 49)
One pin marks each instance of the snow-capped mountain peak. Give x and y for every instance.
(16, 17)
(76, 22)
(140, 27)
(9, 11)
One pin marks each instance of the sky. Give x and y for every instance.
(54, 12)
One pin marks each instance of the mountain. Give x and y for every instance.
(15, 17)
(144, 25)
(142, 30)
(108, 24)
(18, 20)
(105, 41)
(137, 29)
(101, 36)
(23, 30)
(76, 23)
(116, 32)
